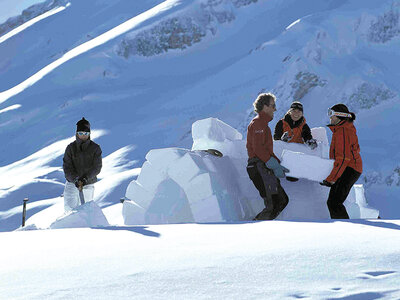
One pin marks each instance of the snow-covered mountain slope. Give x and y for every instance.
(354, 259)
(171, 63)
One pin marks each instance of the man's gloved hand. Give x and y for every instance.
(285, 137)
(312, 143)
(326, 183)
(275, 166)
(77, 182)
(84, 181)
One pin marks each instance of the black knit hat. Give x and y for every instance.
(83, 125)
(297, 105)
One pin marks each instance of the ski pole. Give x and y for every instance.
(24, 211)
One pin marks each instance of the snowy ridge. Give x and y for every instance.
(31, 22)
(28, 16)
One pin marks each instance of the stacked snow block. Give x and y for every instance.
(357, 206)
(212, 133)
(179, 186)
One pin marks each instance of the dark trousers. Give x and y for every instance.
(270, 189)
(339, 192)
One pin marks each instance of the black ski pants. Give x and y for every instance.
(270, 189)
(339, 192)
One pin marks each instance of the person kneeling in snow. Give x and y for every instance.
(82, 162)
(263, 166)
(345, 151)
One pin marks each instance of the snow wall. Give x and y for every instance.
(180, 185)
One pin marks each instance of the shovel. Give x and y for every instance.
(81, 197)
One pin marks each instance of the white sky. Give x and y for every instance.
(10, 8)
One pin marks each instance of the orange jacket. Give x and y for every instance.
(344, 150)
(259, 138)
(294, 133)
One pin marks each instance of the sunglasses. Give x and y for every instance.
(83, 133)
(338, 114)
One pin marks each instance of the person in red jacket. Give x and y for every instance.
(263, 166)
(347, 167)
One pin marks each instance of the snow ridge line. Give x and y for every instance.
(32, 22)
(89, 45)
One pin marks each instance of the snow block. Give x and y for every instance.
(212, 133)
(162, 158)
(133, 213)
(137, 193)
(86, 215)
(150, 177)
(306, 166)
(356, 204)
(214, 129)
(280, 147)
(187, 167)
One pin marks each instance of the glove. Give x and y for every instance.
(276, 167)
(285, 137)
(326, 183)
(312, 143)
(77, 182)
(83, 180)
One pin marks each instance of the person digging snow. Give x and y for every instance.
(82, 163)
(263, 167)
(347, 167)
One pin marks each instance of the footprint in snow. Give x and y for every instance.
(375, 274)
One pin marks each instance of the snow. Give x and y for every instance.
(101, 39)
(184, 186)
(31, 22)
(213, 59)
(354, 259)
(86, 215)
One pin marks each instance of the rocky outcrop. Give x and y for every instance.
(182, 31)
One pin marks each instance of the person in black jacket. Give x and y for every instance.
(82, 163)
(293, 127)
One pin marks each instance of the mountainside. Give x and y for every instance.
(143, 71)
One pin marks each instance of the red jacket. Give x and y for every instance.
(344, 149)
(294, 133)
(259, 138)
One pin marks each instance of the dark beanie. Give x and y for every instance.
(297, 105)
(83, 125)
(343, 108)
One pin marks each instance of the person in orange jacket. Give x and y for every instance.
(347, 167)
(292, 128)
(263, 167)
